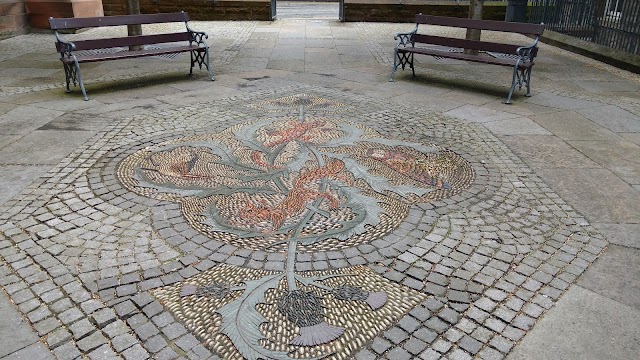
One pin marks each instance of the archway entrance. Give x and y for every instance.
(325, 10)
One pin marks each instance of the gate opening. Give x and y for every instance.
(306, 10)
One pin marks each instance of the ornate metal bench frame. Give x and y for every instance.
(521, 57)
(71, 59)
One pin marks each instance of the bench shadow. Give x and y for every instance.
(434, 79)
(136, 82)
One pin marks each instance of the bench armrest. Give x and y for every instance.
(405, 38)
(527, 53)
(66, 48)
(197, 37)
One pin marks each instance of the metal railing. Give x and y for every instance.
(612, 23)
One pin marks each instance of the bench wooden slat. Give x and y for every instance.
(77, 23)
(522, 28)
(128, 41)
(466, 44)
(132, 54)
(480, 58)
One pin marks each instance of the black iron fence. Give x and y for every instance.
(612, 23)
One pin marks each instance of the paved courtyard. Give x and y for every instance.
(303, 206)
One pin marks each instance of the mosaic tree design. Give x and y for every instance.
(295, 184)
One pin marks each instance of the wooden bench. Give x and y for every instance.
(519, 57)
(72, 54)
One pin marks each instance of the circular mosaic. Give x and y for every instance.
(321, 183)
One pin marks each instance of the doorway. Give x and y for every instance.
(306, 10)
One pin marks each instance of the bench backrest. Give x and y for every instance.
(468, 44)
(514, 27)
(77, 23)
(126, 41)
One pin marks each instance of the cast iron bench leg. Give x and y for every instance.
(68, 74)
(72, 73)
(201, 59)
(401, 60)
(514, 80)
(84, 92)
(208, 66)
(413, 69)
(395, 65)
(192, 52)
(528, 77)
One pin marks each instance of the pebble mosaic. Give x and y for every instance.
(147, 240)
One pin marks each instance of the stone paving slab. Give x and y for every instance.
(621, 234)
(544, 151)
(20, 121)
(614, 276)
(518, 126)
(614, 156)
(589, 320)
(570, 125)
(14, 327)
(581, 188)
(43, 147)
(14, 177)
(105, 262)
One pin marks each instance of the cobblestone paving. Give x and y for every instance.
(86, 260)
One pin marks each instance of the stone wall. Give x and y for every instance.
(406, 10)
(40, 10)
(13, 18)
(198, 9)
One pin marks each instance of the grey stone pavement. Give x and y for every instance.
(539, 259)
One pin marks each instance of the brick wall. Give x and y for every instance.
(114, 7)
(13, 18)
(197, 9)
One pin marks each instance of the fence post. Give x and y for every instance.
(516, 11)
